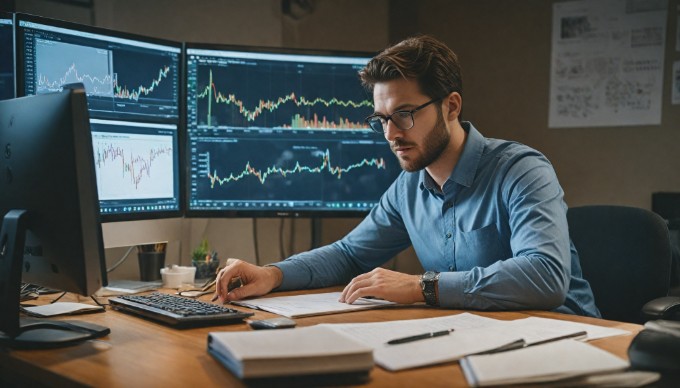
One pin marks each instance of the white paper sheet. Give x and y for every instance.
(62, 308)
(310, 304)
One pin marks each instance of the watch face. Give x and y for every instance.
(429, 275)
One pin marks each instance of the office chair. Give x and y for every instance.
(625, 255)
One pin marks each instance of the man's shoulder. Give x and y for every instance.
(508, 150)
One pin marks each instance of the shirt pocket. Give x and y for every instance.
(479, 248)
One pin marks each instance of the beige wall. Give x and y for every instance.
(504, 47)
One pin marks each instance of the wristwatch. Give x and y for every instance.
(428, 283)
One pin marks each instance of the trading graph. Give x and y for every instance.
(132, 165)
(59, 63)
(324, 166)
(285, 167)
(145, 77)
(269, 94)
(121, 81)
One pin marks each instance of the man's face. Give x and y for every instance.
(421, 145)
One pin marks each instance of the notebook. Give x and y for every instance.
(541, 363)
(314, 350)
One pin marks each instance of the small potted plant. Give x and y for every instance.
(205, 260)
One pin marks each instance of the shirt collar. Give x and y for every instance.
(466, 168)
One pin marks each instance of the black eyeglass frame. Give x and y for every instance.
(384, 119)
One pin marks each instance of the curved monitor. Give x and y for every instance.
(133, 92)
(274, 132)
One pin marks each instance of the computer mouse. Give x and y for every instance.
(655, 350)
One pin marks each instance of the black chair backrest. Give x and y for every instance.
(625, 255)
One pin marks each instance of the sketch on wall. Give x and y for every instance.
(607, 63)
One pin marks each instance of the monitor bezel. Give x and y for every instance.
(20, 91)
(258, 213)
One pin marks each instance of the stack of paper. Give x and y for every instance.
(314, 350)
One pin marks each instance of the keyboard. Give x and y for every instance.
(177, 311)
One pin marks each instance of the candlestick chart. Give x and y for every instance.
(132, 165)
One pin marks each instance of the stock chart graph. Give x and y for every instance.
(130, 165)
(59, 63)
(271, 94)
(283, 167)
(123, 78)
(283, 133)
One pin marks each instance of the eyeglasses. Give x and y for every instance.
(403, 119)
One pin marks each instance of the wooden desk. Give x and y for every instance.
(143, 353)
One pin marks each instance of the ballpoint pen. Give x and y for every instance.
(418, 337)
(576, 335)
(520, 343)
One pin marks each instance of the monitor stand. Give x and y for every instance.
(28, 333)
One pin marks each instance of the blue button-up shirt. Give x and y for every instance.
(497, 231)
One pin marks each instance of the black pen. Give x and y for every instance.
(575, 335)
(418, 337)
(520, 343)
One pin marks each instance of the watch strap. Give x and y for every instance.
(428, 284)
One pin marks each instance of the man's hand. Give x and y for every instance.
(255, 281)
(385, 284)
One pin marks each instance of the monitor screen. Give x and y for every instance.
(133, 92)
(7, 89)
(280, 133)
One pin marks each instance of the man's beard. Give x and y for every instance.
(434, 144)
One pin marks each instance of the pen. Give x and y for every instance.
(418, 337)
(578, 334)
(520, 343)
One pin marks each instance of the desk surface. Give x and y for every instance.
(143, 353)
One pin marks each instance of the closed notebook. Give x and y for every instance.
(542, 363)
(314, 350)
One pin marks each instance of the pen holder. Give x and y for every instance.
(150, 264)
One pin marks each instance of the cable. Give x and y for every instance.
(257, 251)
(282, 251)
(122, 259)
(291, 241)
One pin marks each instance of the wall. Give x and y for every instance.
(505, 51)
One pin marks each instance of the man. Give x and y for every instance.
(486, 217)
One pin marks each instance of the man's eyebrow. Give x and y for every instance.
(406, 106)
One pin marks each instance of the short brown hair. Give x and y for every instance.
(423, 58)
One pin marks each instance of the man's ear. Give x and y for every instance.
(454, 102)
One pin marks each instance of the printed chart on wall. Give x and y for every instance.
(607, 63)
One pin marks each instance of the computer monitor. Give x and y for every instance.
(51, 234)
(7, 88)
(133, 92)
(273, 132)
